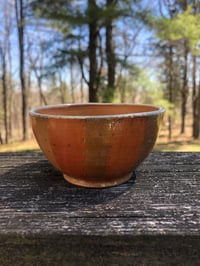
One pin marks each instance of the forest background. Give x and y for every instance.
(133, 51)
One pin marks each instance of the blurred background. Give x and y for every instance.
(131, 51)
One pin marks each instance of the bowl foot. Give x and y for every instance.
(98, 184)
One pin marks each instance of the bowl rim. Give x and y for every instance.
(33, 111)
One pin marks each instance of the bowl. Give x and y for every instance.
(95, 144)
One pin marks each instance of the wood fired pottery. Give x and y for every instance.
(96, 145)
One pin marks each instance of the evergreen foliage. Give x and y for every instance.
(135, 51)
(185, 26)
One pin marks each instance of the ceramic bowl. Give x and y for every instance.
(96, 145)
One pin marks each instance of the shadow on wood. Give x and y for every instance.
(39, 187)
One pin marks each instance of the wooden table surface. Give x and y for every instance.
(152, 218)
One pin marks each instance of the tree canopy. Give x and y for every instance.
(54, 51)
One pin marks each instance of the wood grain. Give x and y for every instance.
(158, 205)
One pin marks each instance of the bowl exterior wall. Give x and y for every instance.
(96, 150)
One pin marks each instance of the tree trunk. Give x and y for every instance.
(5, 90)
(170, 89)
(41, 94)
(122, 91)
(72, 81)
(62, 88)
(93, 36)
(10, 97)
(1, 139)
(110, 56)
(184, 92)
(6, 67)
(81, 89)
(20, 26)
(8, 30)
(196, 122)
(195, 92)
(198, 106)
(195, 112)
(38, 76)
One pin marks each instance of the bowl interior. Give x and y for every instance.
(95, 109)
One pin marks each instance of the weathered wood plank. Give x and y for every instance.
(101, 250)
(164, 198)
(153, 219)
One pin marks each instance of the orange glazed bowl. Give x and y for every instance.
(94, 144)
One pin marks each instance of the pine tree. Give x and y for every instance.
(183, 31)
